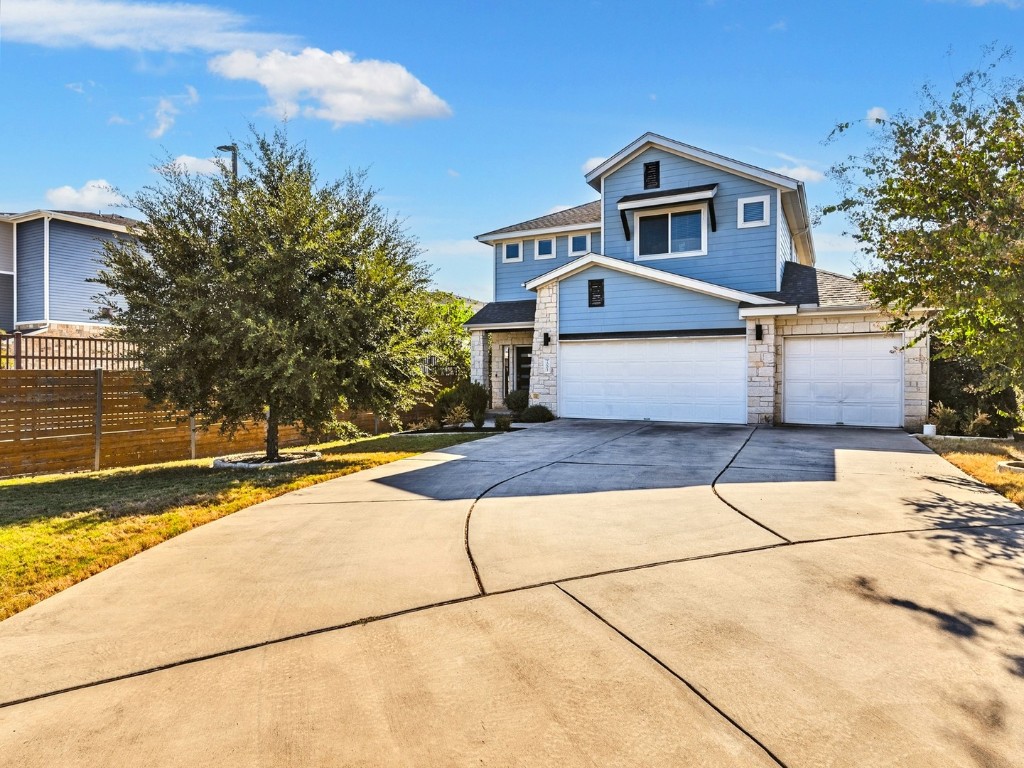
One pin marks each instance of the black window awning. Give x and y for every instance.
(666, 198)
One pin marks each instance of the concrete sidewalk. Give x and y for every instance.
(579, 593)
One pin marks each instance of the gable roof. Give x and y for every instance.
(579, 217)
(702, 156)
(803, 285)
(792, 192)
(650, 273)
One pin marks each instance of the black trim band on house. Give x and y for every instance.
(685, 334)
(700, 192)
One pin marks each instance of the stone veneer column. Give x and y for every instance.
(544, 366)
(478, 357)
(761, 371)
(916, 360)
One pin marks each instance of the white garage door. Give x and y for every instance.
(855, 380)
(701, 380)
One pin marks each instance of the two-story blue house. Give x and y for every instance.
(46, 261)
(688, 293)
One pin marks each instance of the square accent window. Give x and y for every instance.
(753, 211)
(512, 252)
(652, 175)
(545, 248)
(679, 232)
(595, 293)
(579, 244)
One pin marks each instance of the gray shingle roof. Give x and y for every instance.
(588, 213)
(108, 218)
(502, 312)
(807, 285)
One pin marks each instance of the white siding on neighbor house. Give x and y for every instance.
(6, 246)
(744, 259)
(509, 277)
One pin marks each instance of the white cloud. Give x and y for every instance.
(453, 173)
(91, 196)
(557, 209)
(592, 163)
(800, 173)
(81, 87)
(333, 86)
(167, 110)
(137, 26)
(778, 26)
(116, 119)
(202, 165)
(828, 242)
(876, 114)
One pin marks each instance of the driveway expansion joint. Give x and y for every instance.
(690, 686)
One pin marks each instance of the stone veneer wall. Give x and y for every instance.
(544, 371)
(478, 357)
(497, 339)
(915, 358)
(761, 371)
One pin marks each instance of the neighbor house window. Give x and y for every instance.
(579, 244)
(753, 211)
(678, 232)
(546, 248)
(513, 252)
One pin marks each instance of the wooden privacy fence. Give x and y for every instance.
(64, 421)
(59, 353)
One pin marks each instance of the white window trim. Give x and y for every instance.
(536, 249)
(504, 252)
(639, 214)
(766, 199)
(569, 244)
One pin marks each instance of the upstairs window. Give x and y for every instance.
(545, 248)
(512, 252)
(579, 244)
(678, 232)
(753, 211)
(652, 174)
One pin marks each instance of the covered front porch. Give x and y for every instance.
(502, 360)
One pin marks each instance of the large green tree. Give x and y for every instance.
(271, 296)
(937, 206)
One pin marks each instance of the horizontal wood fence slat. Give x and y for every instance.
(72, 420)
(60, 353)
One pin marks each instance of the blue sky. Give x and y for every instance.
(469, 115)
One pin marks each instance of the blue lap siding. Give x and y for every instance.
(30, 272)
(75, 257)
(744, 259)
(509, 277)
(7, 302)
(634, 303)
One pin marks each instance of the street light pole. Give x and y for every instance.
(233, 149)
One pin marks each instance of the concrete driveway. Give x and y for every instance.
(581, 593)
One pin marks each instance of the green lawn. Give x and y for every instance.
(56, 530)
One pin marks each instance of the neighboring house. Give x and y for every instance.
(46, 260)
(688, 292)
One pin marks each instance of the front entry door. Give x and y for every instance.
(524, 358)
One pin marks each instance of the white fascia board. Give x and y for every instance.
(766, 311)
(38, 214)
(499, 327)
(668, 200)
(690, 152)
(521, 233)
(657, 275)
(794, 208)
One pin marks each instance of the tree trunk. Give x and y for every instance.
(272, 441)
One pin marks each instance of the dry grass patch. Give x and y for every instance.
(978, 457)
(56, 530)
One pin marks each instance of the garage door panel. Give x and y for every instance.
(853, 380)
(660, 380)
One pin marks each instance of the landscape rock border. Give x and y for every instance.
(238, 461)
